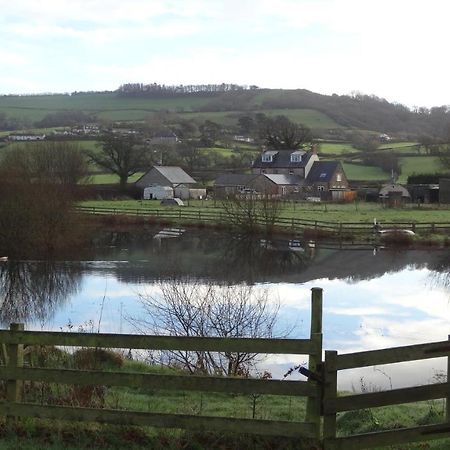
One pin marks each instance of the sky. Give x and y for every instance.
(395, 49)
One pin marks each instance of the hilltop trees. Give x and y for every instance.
(122, 154)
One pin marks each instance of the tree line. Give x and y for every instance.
(163, 91)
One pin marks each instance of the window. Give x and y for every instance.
(240, 187)
(323, 175)
(283, 190)
(291, 172)
(338, 177)
(320, 188)
(267, 158)
(296, 157)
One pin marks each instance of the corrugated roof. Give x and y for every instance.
(322, 171)
(283, 179)
(175, 174)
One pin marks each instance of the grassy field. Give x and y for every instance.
(331, 148)
(358, 172)
(351, 212)
(110, 106)
(413, 165)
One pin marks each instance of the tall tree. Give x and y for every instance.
(122, 154)
(281, 133)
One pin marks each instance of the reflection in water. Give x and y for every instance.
(32, 291)
(441, 275)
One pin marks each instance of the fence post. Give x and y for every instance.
(313, 405)
(329, 395)
(447, 402)
(15, 359)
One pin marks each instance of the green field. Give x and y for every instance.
(358, 172)
(331, 148)
(413, 165)
(110, 106)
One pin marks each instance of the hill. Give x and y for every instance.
(320, 112)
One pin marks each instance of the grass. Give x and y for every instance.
(359, 172)
(112, 178)
(331, 148)
(44, 434)
(413, 165)
(335, 212)
(110, 106)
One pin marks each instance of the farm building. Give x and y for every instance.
(171, 177)
(444, 190)
(327, 180)
(157, 192)
(394, 195)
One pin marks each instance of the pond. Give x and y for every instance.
(373, 298)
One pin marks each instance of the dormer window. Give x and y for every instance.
(267, 157)
(296, 157)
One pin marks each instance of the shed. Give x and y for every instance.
(158, 192)
(172, 202)
(394, 195)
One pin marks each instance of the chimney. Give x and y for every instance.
(314, 149)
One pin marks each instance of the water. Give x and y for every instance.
(372, 298)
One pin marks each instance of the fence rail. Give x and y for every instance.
(332, 404)
(14, 372)
(293, 223)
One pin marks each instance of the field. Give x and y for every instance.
(359, 172)
(110, 106)
(413, 165)
(331, 148)
(350, 212)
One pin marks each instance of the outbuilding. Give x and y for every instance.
(157, 192)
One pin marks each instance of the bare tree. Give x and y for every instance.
(187, 307)
(252, 212)
(47, 162)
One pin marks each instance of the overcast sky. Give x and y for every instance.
(396, 49)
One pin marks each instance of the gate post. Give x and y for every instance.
(447, 402)
(15, 359)
(313, 405)
(328, 400)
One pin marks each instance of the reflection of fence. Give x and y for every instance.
(292, 223)
(333, 404)
(14, 372)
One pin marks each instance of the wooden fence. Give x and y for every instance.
(333, 404)
(320, 389)
(14, 372)
(294, 224)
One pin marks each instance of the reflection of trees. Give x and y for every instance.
(441, 273)
(32, 291)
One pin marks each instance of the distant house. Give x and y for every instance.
(283, 185)
(26, 137)
(327, 180)
(287, 162)
(163, 137)
(167, 176)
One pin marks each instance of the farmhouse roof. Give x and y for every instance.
(175, 174)
(282, 159)
(322, 171)
(234, 179)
